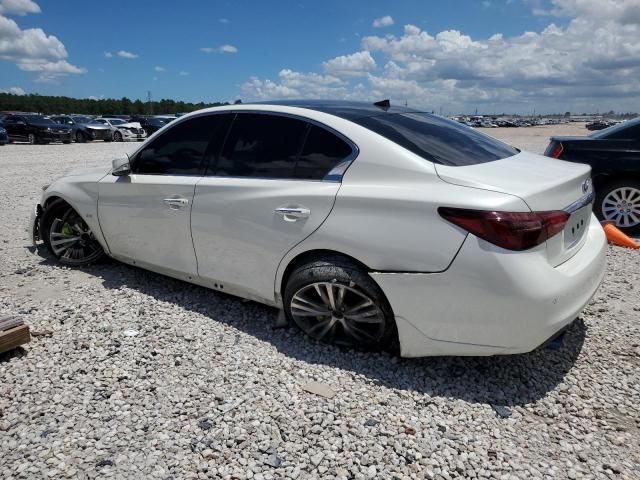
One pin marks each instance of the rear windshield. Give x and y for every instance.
(438, 139)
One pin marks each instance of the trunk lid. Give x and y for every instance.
(543, 184)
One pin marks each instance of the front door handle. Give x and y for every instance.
(176, 203)
(292, 213)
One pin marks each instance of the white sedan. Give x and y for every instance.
(371, 226)
(123, 131)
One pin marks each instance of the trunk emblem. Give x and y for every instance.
(585, 185)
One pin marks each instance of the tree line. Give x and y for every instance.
(105, 106)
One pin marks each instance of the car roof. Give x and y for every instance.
(341, 108)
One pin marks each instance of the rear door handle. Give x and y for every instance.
(175, 203)
(292, 213)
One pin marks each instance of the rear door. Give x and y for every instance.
(145, 216)
(273, 184)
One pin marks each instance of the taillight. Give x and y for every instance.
(557, 150)
(510, 230)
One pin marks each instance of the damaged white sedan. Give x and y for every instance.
(370, 225)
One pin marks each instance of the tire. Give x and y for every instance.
(117, 137)
(80, 138)
(66, 142)
(619, 201)
(67, 236)
(333, 286)
(31, 138)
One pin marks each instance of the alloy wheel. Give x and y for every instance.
(622, 206)
(337, 313)
(72, 240)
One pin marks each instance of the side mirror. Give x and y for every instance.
(121, 167)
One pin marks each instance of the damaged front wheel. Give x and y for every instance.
(67, 236)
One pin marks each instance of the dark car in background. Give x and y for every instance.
(84, 128)
(614, 157)
(4, 138)
(35, 129)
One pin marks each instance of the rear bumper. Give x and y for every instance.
(492, 301)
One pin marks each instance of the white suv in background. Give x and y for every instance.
(123, 131)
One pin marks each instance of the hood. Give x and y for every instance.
(129, 125)
(98, 172)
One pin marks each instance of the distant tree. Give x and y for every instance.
(237, 102)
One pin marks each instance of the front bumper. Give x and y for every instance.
(492, 301)
(54, 137)
(33, 227)
(95, 134)
(128, 135)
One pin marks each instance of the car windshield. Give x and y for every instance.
(437, 139)
(614, 129)
(39, 119)
(82, 119)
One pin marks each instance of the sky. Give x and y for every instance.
(454, 56)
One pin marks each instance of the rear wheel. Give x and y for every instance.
(67, 236)
(31, 138)
(80, 138)
(619, 202)
(117, 137)
(334, 300)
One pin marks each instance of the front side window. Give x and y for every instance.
(261, 146)
(181, 149)
(437, 139)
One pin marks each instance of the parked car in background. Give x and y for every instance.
(4, 138)
(123, 131)
(149, 124)
(35, 129)
(600, 124)
(83, 128)
(614, 157)
(371, 226)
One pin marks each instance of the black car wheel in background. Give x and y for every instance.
(614, 157)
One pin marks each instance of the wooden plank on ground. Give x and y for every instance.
(14, 337)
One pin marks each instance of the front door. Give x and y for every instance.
(145, 216)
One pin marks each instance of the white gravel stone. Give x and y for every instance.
(207, 389)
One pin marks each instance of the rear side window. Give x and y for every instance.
(437, 139)
(262, 146)
(322, 151)
(181, 149)
(630, 133)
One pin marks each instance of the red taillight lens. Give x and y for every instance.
(510, 230)
(557, 150)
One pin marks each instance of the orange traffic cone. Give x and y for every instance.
(616, 237)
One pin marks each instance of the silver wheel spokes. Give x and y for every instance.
(337, 313)
(71, 238)
(622, 206)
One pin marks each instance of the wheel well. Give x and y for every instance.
(52, 199)
(312, 255)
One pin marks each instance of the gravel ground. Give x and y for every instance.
(134, 375)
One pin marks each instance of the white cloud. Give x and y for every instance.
(590, 61)
(13, 90)
(182, 73)
(158, 68)
(18, 7)
(32, 50)
(381, 22)
(221, 49)
(108, 55)
(354, 65)
(223, 20)
(127, 55)
(294, 84)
